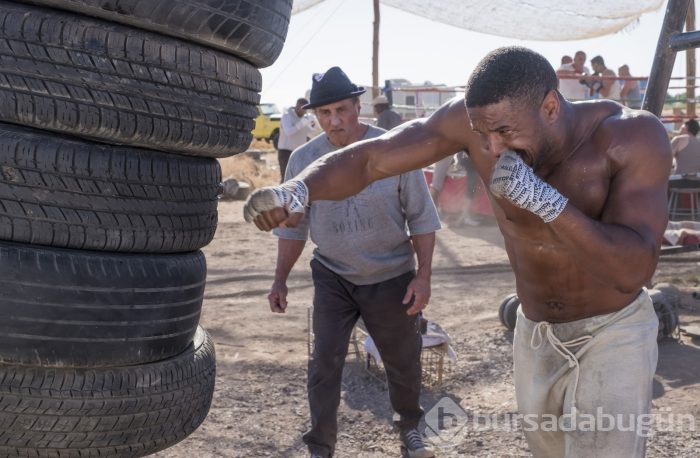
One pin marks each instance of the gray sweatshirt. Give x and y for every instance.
(365, 238)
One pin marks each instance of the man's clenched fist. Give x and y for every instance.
(289, 197)
(514, 180)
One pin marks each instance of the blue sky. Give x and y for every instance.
(339, 32)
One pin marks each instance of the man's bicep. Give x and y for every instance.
(407, 148)
(422, 142)
(638, 191)
(642, 209)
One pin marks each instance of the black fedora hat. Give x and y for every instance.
(330, 87)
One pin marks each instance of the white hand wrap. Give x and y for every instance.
(514, 180)
(292, 195)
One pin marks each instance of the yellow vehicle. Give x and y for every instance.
(267, 124)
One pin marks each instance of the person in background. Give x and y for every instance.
(569, 85)
(440, 173)
(473, 180)
(572, 88)
(686, 149)
(606, 88)
(364, 265)
(387, 118)
(630, 93)
(440, 169)
(580, 63)
(296, 127)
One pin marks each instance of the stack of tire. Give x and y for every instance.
(112, 113)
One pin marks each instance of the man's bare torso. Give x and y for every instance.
(550, 284)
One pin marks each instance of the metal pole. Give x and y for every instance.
(375, 51)
(684, 41)
(676, 11)
(690, 64)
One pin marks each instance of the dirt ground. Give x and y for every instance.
(260, 408)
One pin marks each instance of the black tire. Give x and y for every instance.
(58, 192)
(252, 30)
(90, 309)
(508, 311)
(97, 80)
(123, 411)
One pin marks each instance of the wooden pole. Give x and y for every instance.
(375, 51)
(690, 63)
(665, 56)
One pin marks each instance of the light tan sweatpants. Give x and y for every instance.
(602, 365)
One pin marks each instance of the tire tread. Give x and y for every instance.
(90, 309)
(155, 92)
(64, 193)
(123, 411)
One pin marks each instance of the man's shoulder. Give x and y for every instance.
(681, 137)
(310, 151)
(631, 129)
(373, 131)
(286, 119)
(619, 117)
(385, 115)
(289, 113)
(314, 145)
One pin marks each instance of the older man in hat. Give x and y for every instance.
(363, 267)
(387, 118)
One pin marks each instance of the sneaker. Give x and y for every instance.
(415, 447)
(469, 221)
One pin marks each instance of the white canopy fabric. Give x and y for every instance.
(550, 20)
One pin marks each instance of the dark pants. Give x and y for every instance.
(283, 159)
(337, 306)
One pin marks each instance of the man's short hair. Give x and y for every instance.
(566, 60)
(692, 126)
(301, 101)
(598, 60)
(513, 72)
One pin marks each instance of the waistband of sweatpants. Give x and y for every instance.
(639, 310)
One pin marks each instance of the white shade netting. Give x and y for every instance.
(553, 20)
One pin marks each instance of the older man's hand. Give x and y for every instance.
(277, 206)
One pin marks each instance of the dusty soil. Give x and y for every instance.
(260, 408)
